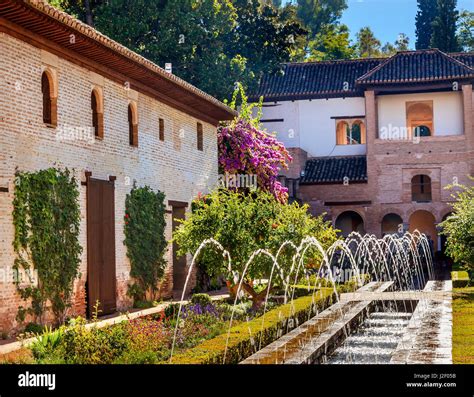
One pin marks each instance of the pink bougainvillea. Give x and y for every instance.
(246, 149)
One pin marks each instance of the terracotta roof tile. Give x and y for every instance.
(335, 169)
(15, 11)
(314, 79)
(326, 79)
(417, 67)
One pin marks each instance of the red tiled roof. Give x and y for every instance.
(335, 170)
(346, 78)
(417, 67)
(303, 80)
(43, 21)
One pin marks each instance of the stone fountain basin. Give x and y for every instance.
(426, 338)
(314, 340)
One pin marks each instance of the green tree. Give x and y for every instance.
(444, 27)
(367, 44)
(466, 30)
(264, 37)
(210, 43)
(332, 42)
(242, 224)
(81, 9)
(388, 49)
(459, 227)
(427, 12)
(402, 43)
(317, 13)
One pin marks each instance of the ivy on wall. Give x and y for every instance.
(46, 217)
(145, 240)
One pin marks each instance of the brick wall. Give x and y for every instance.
(174, 165)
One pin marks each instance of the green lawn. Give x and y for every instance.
(463, 325)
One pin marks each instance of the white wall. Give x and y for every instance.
(447, 111)
(308, 124)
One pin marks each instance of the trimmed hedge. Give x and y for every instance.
(460, 279)
(245, 337)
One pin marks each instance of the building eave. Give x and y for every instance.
(44, 26)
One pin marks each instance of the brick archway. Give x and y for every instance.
(390, 223)
(349, 221)
(425, 222)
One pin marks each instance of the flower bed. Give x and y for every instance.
(144, 340)
(246, 338)
(201, 333)
(138, 341)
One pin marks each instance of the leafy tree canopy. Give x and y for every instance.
(466, 30)
(243, 223)
(210, 43)
(427, 11)
(444, 26)
(459, 227)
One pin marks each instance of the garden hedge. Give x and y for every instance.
(244, 337)
(460, 279)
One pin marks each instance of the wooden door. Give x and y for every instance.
(101, 279)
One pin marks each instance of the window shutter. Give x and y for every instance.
(162, 130)
(200, 143)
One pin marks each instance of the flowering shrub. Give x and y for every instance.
(198, 309)
(145, 340)
(244, 148)
(148, 335)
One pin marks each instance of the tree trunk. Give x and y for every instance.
(257, 298)
(88, 11)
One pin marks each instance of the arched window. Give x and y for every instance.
(350, 132)
(421, 188)
(132, 124)
(342, 131)
(358, 132)
(420, 118)
(49, 100)
(97, 114)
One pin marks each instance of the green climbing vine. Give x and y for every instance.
(46, 217)
(145, 240)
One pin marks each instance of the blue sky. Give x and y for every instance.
(387, 18)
